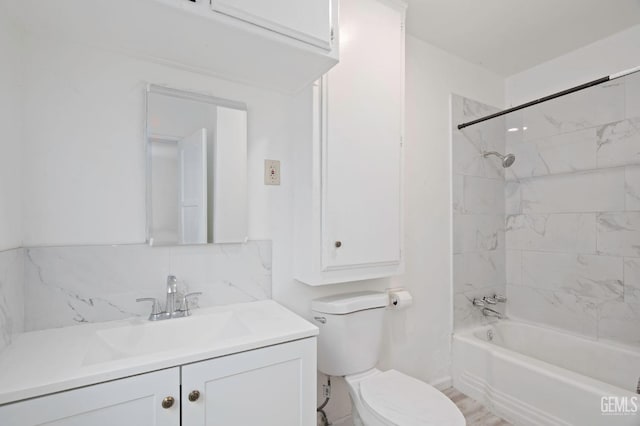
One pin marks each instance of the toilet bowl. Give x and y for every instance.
(348, 346)
(383, 398)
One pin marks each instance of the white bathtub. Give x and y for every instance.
(532, 375)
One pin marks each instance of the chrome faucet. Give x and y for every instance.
(172, 309)
(172, 291)
(488, 312)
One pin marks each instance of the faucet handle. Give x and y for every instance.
(499, 298)
(478, 302)
(185, 302)
(490, 300)
(155, 307)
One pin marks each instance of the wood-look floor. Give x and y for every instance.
(475, 413)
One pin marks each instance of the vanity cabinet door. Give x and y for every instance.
(134, 401)
(273, 386)
(304, 20)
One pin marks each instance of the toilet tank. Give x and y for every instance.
(350, 331)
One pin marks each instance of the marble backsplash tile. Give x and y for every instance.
(70, 285)
(11, 294)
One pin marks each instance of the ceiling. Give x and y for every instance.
(509, 36)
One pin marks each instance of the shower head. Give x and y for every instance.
(507, 160)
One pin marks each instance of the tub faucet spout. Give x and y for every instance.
(488, 312)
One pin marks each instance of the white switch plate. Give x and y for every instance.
(271, 172)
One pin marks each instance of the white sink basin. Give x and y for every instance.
(145, 337)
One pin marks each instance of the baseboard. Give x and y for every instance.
(442, 383)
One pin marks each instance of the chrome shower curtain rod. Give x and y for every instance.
(553, 96)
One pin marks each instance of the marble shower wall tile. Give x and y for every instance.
(554, 308)
(580, 110)
(596, 277)
(632, 280)
(470, 143)
(477, 232)
(465, 314)
(478, 204)
(565, 232)
(70, 285)
(476, 270)
(483, 196)
(564, 153)
(632, 95)
(619, 143)
(513, 265)
(572, 203)
(512, 198)
(597, 191)
(620, 321)
(632, 188)
(11, 295)
(619, 233)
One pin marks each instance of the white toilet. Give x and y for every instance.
(348, 345)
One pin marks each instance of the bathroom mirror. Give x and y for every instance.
(196, 168)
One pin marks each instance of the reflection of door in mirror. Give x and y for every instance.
(192, 191)
(196, 168)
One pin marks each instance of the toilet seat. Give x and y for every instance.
(405, 401)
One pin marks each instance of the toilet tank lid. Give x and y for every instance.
(350, 302)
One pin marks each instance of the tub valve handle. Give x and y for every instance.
(499, 298)
(478, 302)
(490, 300)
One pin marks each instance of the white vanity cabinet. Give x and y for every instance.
(271, 386)
(274, 386)
(135, 401)
(349, 203)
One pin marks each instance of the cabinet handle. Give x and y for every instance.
(194, 395)
(338, 244)
(167, 402)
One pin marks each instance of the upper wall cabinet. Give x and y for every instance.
(278, 44)
(349, 177)
(305, 20)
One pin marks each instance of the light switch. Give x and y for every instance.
(271, 172)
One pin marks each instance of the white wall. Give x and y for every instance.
(420, 337)
(10, 134)
(610, 55)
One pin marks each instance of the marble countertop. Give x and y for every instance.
(46, 361)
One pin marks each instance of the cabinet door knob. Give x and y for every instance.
(338, 244)
(194, 395)
(167, 402)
